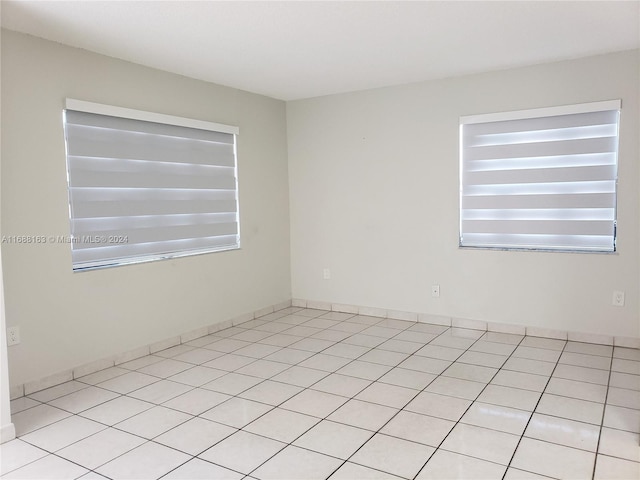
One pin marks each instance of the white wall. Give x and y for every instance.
(374, 197)
(69, 319)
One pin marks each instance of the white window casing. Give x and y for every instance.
(145, 186)
(542, 179)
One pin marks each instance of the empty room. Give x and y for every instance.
(320, 240)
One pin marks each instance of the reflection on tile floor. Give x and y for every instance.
(309, 394)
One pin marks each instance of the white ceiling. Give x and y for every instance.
(293, 50)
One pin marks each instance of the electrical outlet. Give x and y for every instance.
(13, 336)
(326, 274)
(435, 290)
(618, 299)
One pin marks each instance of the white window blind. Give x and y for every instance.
(540, 179)
(145, 186)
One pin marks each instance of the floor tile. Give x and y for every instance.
(622, 418)
(49, 467)
(527, 365)
(564, 432)
(455, 387)
(63, 433)
(433, 366)
(575, 389)
(272, 393)
(571, 408)
(483, 359)
(441, 406)
(291, 356)
(100, 448)
(539, 342)
(196, 401)
(381, 332)
(389, 395)
(492, 347)
(198, 356)
(364, 340)
(400, 346)
(618, 443)
(346, 350)
(427, 328)
(585, 360)
(445, 465)
(161, 391)
(498, 337)
(141, 362)
(351, 471)
(36, 417)
(627, 353)
(326, 363)
(58, 391)
(440, 353)
(282, 425)
(83, 399)
(16, 454)
(626, 366)
(475, 373)
(227, 345)
(195, 436)
(103, 375)
(321, 322)
(416, 337)
(236, 412)
(525, 381)
(196, 469)
(300, 376)
(263, 369)
(625, 380)
(242, 451)
(312, 344)
(338, 316)
(311, 312)
(332, 335)
(128, 382)
(173, 351)
(22, 403)
(407, 378)
(257, 350)
(303, 331)
(589, 348)
(615, 468)
(232, 383)
(281, 340)
(341, 385)
(510, 397)
(251, 335)
(553, 460)
(197, 376)
(365, 370)
(482, 443)
(584, 374)
(363, 415)
(418, 428)
(165, 368)
(148, 461)
(503, 419)
(393, 455)
(294, 463)
(315, 403)
(515, 474)
(229, 362)
(622, 397)
(451, 341)
(334, 439)
(153, 422)
(533, 353)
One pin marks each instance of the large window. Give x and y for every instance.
(145, 186)
(542, 179)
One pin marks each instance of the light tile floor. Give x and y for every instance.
(309, 394)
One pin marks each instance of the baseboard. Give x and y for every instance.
(618, 341)
(7, 433)
(49, 381)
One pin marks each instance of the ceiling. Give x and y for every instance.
(292, 50)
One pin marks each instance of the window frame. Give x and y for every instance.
(182, 123)
(539, 113)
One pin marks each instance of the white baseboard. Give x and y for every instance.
(7, 433)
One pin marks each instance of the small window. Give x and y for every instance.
(145, 186)
(541, 179)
